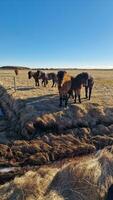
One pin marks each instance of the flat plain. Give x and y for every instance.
(25, 89)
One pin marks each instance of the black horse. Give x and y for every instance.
(52, 76)
(35, 76)
(43, 76)
(40, 75)
(46, 77)
(89, 87)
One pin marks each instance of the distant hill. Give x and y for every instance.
(14, 67)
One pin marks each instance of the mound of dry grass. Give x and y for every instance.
(41, 151)
(87, 178)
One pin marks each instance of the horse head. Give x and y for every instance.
(84, 78)
(60, 76)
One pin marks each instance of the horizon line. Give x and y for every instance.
(61, 67)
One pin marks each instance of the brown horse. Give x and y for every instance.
(16, 71)
(64, 86)
(67, 84)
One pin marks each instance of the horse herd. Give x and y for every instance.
(68, 86)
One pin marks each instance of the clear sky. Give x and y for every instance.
(56, 33)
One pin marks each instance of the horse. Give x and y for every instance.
(67, 84)
(34, 75)
(77, 83)
(46, 77)
(42, 75)
(64, 85)
(52, 76)
(37, 76)
(88, 87)
(16, 71)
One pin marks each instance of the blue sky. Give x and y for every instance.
(56, 33)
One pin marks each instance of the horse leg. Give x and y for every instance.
(35, 83)
(66, 100)
(38, 83)
(86, 92)
(60, 101)
(70, 94)
(45, 83)
(79, 98)
(42, 82)
(75, 100)
(90, 91)
(53, 83)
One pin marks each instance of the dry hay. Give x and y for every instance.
(75, 131)
(41, 151)
(87, 178)
(26, 122)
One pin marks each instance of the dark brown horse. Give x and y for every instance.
(88, 87)
(35, 76)
(40, 75)
(46, 77)
(67, 84)
(77, 83)
(43, 76)
(16, 72)
(52, 76)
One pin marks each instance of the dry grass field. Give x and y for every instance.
(102, 92)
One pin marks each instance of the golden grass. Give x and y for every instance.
(80, 179)
(102, 93)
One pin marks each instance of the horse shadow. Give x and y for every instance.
(44, 104)
(25, 88)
